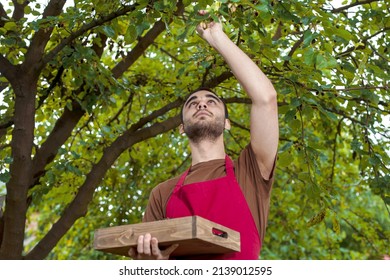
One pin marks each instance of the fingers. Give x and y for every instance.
(154, 245)
(203, 25)
(200, 28)
(143, 245)
(147, 248)
(208, 26)
(147, 239)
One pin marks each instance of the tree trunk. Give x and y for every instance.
(14, 217)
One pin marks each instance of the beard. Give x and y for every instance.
(204, 129)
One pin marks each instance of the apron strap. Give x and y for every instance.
(229, 173)
(181, 181)
(229, 167)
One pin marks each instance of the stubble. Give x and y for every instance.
(204, 129)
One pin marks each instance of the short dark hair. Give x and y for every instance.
(206, 89)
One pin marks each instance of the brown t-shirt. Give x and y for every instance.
(255, 188)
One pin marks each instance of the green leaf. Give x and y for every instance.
(285, 147)
(27, 10)
(342, 33)
(295, 125)
(310, 56)
(308, 37)
(321, 62)
(284, 159)
(254, 45)
(5, 177)
(10, 26)
(131, 34)
(290, 115)
(144, 25)
(109, 31)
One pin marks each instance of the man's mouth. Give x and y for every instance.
(202, 113)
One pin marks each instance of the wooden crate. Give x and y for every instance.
(195, 235)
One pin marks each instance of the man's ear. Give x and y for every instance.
(227, 124)
(181, 128)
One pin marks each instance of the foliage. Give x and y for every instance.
(91, 93)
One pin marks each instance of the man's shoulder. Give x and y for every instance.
(166, 186)
(169, 182)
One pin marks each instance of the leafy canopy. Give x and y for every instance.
(91, 94)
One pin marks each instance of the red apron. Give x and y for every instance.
(221, 201)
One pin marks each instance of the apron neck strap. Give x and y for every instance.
(229, 171)
(229, 167)
(182, 178)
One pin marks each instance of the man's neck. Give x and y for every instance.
(207, 150)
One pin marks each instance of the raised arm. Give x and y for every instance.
(264, 112)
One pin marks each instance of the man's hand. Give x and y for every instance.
(147, 249)
(210, 31)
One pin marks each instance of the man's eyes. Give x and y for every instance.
(195, 103)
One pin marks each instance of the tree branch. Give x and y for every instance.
(6, 68)
(86, 27)
(128, 101)
(3, 15)
(278, 32)
(361, 234)
(143, 43)
(236, 124)
(4, 127)
(58, 136)
(139, 49)
(53, 84)
(39, 41)
(79, 206)
(155, 114)
(346, 7)
(19, 9)
(377, 53)
(169, 54)
(217, 80)
(3, 85)
(293, 49)
(338, 132)
(65, 125)
(363, 43)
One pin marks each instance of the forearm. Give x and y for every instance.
(253, 80)
(264, 111)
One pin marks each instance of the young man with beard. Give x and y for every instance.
(234, 194)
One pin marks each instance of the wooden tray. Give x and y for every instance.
(195, 235)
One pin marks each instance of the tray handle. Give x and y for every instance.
(219, 233)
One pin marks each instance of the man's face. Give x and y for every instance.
(204, 116)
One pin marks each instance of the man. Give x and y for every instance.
(236, 194)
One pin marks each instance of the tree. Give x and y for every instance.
(91, 99)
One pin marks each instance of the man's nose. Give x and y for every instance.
(202, 105)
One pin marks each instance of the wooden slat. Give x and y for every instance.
(193, 234)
